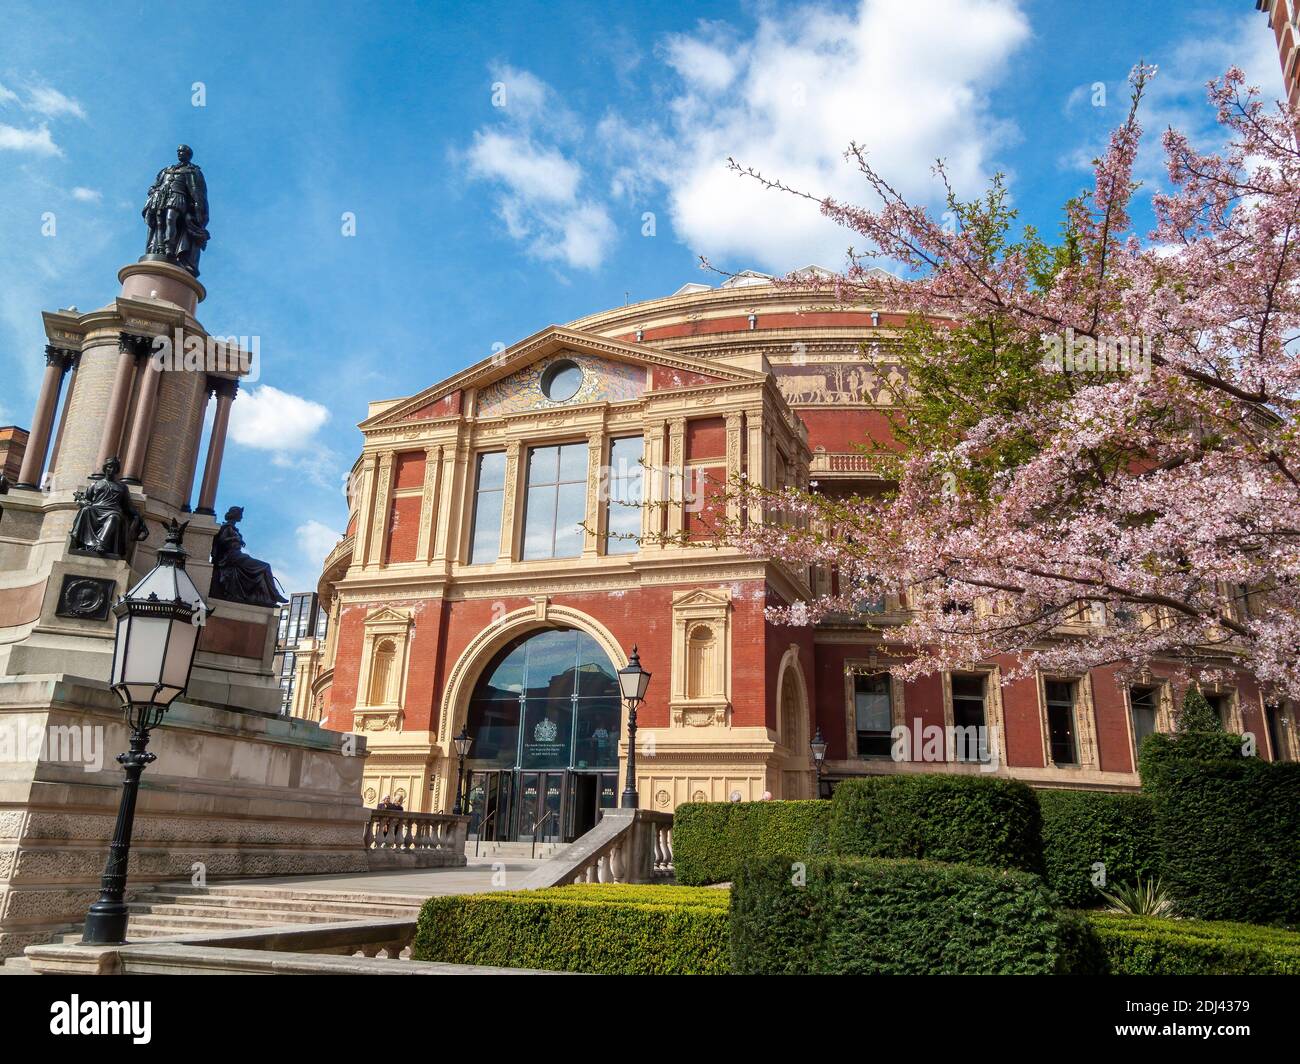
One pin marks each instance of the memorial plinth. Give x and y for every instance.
(236, 790)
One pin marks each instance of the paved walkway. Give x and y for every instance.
(480, 875)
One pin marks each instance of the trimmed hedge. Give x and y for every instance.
(963, 819)
(599, 929)
(1144, 945)
(1162, 750)
(1081, 828)
(1230, 838)
(711, 839)
(899, 917)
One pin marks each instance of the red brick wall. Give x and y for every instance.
(403, 528)
(408, 470)
(845, 430)
(706, 437)
(1023, 722)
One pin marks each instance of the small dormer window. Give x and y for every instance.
(561, 380)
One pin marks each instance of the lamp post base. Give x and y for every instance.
(105, 924)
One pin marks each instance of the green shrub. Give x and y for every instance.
(710, 839)
(600, 929)
(1161, 751)
(1145, 945)
(964, 819)
(1196, 714)
(898, 917)
(1081, 828)
(1230, 838)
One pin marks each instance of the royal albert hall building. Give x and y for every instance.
(496, 571)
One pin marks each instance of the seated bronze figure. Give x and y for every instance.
(106, 523)
(236, 576)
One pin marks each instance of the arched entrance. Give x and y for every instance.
(545, 719)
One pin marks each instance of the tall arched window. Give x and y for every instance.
(547, 700)
(382, 674)
(701, 664)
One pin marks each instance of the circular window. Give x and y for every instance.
(561, 380)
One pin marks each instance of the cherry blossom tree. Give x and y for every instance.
(1097, 460)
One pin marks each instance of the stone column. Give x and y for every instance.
(757, 459)
(146, 404)
(735, 426)
(129, 347)
(654, 486)
(593, 540)
(225, 390)
(509, 501)
(676, 481)
(429, 504)
(208, 390)
(57, 360)
(63, 417)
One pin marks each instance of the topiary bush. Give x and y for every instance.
(710, 839)
(1196, 714)
(1081, 828)
(1229, 835)
(870, 916)
(965, 819)
(599, 929)
(1144, 945)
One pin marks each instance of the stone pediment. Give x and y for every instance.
(614, 371)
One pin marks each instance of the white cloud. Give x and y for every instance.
(538, 185)
(532, 173)
(36, 141)
(7, 95)
(53, 104)
(708, 64)
(268, 419)
(906, 80)
(86, 195)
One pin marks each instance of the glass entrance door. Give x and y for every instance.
(491, 806)
(541, 805)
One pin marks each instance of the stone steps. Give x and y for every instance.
(168, 910)
(514, 849)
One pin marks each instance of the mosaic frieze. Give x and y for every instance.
(603, 380)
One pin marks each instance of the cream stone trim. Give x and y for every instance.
(871, 665)
(1085, 721)
(796, 775)
(382, 710)
(993, 713)
(537, 346)
(700, 684)
(454, 705)
(429, 502)
(510, 503)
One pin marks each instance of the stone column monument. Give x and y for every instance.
(114, 447)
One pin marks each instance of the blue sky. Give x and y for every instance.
(500, 161)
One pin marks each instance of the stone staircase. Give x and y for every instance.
(169, 910)
(513, 850)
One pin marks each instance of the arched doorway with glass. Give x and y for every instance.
(545, 720)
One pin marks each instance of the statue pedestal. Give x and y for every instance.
(235, 794)
(161, 280)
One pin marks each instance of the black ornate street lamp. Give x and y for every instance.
(818, 747)
(158, 623)
(632, 682)
(462, 743)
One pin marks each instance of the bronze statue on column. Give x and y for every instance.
(177, 213)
